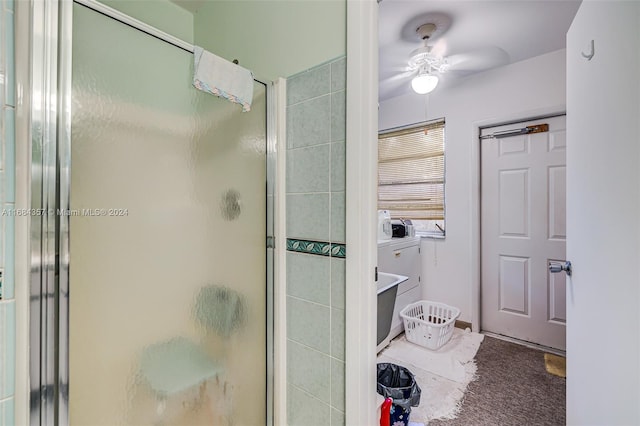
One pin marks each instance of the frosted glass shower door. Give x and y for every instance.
(167, 238)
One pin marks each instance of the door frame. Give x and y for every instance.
(476, 197)
(361, 216)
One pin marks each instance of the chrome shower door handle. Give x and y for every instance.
(555, 267)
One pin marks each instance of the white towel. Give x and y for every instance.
(220, 77)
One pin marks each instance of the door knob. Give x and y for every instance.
(555, 267)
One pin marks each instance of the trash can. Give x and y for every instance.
(399, 384)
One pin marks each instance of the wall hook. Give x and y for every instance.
(589, 55)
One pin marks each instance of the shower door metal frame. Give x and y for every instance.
(50, 45)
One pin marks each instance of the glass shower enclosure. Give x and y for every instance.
(157, 252)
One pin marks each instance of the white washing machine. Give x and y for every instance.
(401, 256)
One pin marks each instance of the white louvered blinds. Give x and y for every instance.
(411, 172)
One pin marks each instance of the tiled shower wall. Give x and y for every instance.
(316, 121)
(7, 218)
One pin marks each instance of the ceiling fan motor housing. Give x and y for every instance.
(422, 58)
(425, 31)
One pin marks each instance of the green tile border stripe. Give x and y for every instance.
(320, 248)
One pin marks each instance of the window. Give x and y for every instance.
(411, 175)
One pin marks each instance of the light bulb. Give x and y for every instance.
(424, 83)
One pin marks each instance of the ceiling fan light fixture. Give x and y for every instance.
(424, 83)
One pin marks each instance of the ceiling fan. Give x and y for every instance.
(425, 66)
(425, 62)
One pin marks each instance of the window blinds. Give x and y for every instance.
(411, 172)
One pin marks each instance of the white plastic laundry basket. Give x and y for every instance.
(429, 324)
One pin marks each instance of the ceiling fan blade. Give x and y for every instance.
(393, 61)
(390, 72)
(439, 48)
(398, 78)
(477, 60)
(395, 84)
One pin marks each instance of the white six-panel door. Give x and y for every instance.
(523, 229)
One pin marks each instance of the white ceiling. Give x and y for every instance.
(480, 35)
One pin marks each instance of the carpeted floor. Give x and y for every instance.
(513, 388)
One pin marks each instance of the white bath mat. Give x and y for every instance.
(443, 375)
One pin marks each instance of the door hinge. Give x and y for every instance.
(271, 242)
(376, 274)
